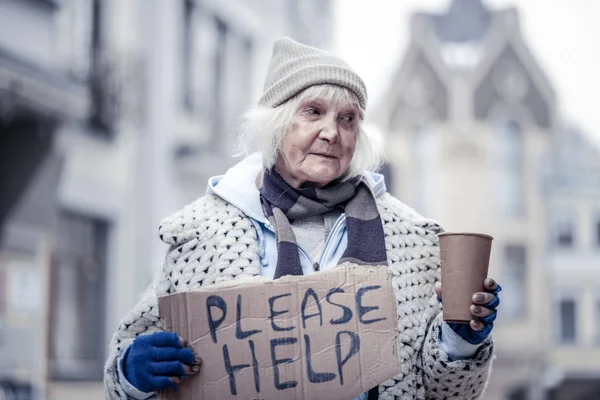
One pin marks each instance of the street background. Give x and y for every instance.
(114, 114)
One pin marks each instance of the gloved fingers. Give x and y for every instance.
(467, 332)
(177, 379)
(490, 319)
(489, 299)
(484, 298)
(167, 368)
(489, 285)
(480, 311)
(492, 286)
(165, 382)
(166, 339)
(191, 369)
(476, 325)
(494, 303)
(185, 355)
(482, 329)
(174, 368)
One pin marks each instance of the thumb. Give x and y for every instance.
(438, 289)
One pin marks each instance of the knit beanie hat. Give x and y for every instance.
(295, 67)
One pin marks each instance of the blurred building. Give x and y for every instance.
(113, 114)
(571, 189)
(474, 141)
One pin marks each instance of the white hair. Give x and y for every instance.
(263, 129)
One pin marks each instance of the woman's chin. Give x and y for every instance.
(322, 177)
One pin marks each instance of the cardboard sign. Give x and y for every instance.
(329, 335)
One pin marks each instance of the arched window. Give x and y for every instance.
(509, 168)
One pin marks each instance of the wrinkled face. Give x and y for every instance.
(320, 142)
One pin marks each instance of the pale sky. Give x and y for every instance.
(564, 36)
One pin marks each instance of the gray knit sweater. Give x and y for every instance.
(212, 241)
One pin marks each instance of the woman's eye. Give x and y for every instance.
(348, 119)
(312, 111)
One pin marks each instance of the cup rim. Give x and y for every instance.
(482, 235)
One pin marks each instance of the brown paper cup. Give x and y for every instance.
(465, 259)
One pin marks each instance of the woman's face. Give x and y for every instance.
(320, 142)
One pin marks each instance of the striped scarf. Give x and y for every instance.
(282, 203)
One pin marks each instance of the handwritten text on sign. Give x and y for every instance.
(330, 334)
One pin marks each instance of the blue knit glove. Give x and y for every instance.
(469, 334)
(152, 359)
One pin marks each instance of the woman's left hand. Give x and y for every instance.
(483, 311)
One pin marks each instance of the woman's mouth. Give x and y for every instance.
(328, 156)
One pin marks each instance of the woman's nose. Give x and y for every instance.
(329, 131)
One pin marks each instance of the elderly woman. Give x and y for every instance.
(305, 202)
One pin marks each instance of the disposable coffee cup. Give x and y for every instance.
(465, 260)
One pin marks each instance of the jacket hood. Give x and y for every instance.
(238, 186)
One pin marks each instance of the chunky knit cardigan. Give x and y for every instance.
(212, 241)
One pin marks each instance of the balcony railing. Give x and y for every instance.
(116, 87)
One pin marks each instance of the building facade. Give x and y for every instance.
(113, 114)
(472, 131)
(571, 188)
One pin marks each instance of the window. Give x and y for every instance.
(188, 59)
(103, 74)
(78, 297)
(246, 78)
(518, 393)
(565, 234)
(514, 276)
(568, 321)
(218, 82)
(597, 233)
(3, 291)
(597, 320)
(216, 75)
(96, 41)
(562, 231)
(509, 169)
(425, 169)
(80, 24)
(236, 84)
(199, 52)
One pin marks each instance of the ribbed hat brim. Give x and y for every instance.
(304, 78)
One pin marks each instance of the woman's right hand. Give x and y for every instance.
(159, 360)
